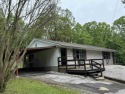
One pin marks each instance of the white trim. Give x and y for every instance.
(43, 41)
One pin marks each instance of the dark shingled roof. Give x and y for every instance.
(76, 46)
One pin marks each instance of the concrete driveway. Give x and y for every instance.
(81, 83)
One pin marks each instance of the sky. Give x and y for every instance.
(94, 10)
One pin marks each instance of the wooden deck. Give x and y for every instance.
(86, 73)
(88, 67)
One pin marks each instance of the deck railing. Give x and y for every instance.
(92, 62)
(98, 65)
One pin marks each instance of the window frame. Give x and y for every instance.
(106, 55)
(79, 54)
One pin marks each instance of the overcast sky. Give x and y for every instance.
(94, 10)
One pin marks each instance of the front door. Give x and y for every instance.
(63, 56)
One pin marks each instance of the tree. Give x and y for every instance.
(18, 22)
(118, 40)
(99, 32)
(62, 28)
(81, 36)
(58, 28)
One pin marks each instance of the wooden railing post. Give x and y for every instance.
(85, 68)
(101, 71)
(103, 63)
(75, 63)
(58, 64)
(66, 65)
(91, 64)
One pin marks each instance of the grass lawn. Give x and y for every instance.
(28, 86)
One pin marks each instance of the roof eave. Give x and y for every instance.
(107, 50)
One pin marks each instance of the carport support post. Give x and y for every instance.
(58, 59)
(17, 72)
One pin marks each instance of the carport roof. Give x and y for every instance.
(32, 50)
(74, 45)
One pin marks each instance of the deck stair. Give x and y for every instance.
(95, 73)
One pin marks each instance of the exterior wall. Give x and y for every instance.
(94, 54)
(98, 55)
(46, 59)
(90, 55)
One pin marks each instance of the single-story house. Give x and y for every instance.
(44, 54)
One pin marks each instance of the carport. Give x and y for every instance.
(28, 60)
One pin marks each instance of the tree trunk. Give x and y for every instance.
(4, 78)
(2, 82)
(2, 86)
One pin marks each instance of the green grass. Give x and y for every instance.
(28, 86)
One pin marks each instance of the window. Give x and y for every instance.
(79, 54)
(106, 55)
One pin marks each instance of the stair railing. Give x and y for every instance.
(97, 65)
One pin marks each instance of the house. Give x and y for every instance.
(50, 55)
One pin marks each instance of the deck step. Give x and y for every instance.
(94, 75)
(95, 71)
(100, 78)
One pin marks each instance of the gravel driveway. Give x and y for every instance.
(115, 71)
(81, 83)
